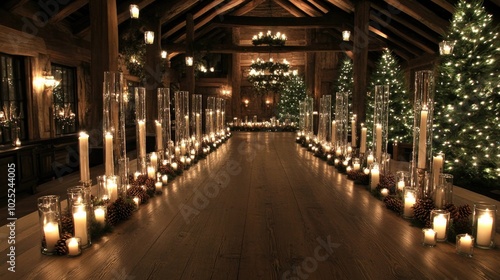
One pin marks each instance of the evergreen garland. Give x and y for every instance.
(467, 109)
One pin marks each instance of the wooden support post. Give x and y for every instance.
(190, 86)
(236, 77)
(153, 75)
(360, 61)
(104, 57)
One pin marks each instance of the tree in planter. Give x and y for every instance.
(467, 99)
(292, 91)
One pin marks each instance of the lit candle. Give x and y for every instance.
(409, 202)
(136, 200)
(366, 171)
(334, 132)
(446, 49)
(401, 185)
(154, 160)
(369, 159)
(80, 224)
(439, 225)
(439, 198)
(159, 136)
(177, 151)
(136, 175)
(174, 165)
(151, 172)
(338, 152)
(108, 148)
(164, 179)
(73, 247)
(353, 131)
(378, 151)
(142, 138)
(99, 214)
(356, 166)
(375, 177)
(465, 243)
(362, 148)
(429, 237)
(348, 168)
(112, 189)
(183, 148)
(484, 229)
(158, 186)
(422, 139)
(437, 168)
(51, 231)
(84, 156)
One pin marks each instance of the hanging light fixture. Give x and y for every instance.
(277, 39)
(149, 37)
(268, 75)
(189, 60)
(163, 54)
(346, 35)
(134, 11)
(446, 47)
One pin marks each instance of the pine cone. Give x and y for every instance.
(464, 212)
(450, 207)
(387, 181)
(61, 249)
(422, 211)
(393, 204)
(150, 186)
(67, 223)
(141, 180)
(138, 191)
(118, 211)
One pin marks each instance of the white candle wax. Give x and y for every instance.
(158, 186)
(151, 172)
(439, 225)
(177, 151)
(154, 160)
(378, 151)
(366, 171)
(159, 136)
(137, 202)
(80, 224)
(437, 168)
(334, 132)
(484, 228)
(348, 168)
(369, 159)
(401, 185)
(164, 179)
(465, 243)
(108, 148)
(136, 175)
(438, 200)
(99, 215)
(409, 202)
(429, 237)
(51, 231)
(362, 148)
(375, 178)
(174, 165)
(356, 166)
(142, 138)
(183, 148)
(73, 247)
(422, 139)
(353, 131)
(384, 192)
(112, 190)
(83, 142)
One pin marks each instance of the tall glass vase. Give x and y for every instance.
(324, 118)
(210, 118)
(380, 121)
(422, 131)
(181, 99)
(115, 100)
(140, 122)
(341, 120)
(49, 214)
(309, 125)
(223, 115)
(164, 145)
(196, 113)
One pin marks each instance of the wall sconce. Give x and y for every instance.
(225, 91)
(212, 69)
(246, 102)
(163, 54)
(189, 61)
(346, 34)
(446, 47)
(268, 103)
(149, 37)
(49, 81)
(134, 11)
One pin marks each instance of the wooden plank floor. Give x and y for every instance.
(260, 207)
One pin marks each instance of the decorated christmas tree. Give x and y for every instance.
(388, 72)
(345, 81)
(292, 91)
(466, 118)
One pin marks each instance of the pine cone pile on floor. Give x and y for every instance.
(387, 181)
(138, 191)
(422, 211)
(393, 204)
(119, 210)
(61, 249)
(362, 179)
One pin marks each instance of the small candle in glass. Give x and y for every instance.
(465, 244)
(136, 201)
(428, 237)
(74, 247)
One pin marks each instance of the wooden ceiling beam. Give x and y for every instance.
(422, 14)
(13, 5)
(290, 22)
(68, 10)
(167, 10)
(396, 41)
(292, 9)
(346, 6)
(304, 6)
(445, 5)
(319, 5)
(248, 7)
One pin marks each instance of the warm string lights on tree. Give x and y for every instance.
(292, 92)
(388, 72)
(467, 115)
(345, 81)
(269, 75)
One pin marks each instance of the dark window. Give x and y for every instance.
(65, 99)
(12, 99)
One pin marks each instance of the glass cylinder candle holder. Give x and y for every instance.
(440, 220)
(465, 244)
(74, 246)
(140, 118)
(112, 188)
(410, 198)
(437, 168)
(341, 118)
(429, 237)
(443, 193)
(375, 176)
(356, 164)
(81, 222)
(483, 225)
(380, 121)
(122, 178)
(163, 142)
(402, 180)
(75, 196)
(49, 214)
(100, 214)
(102, 191)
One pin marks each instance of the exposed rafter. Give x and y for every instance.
(422, 14)
(68, 10)
(247, 7)
(291, 22)
(292, 9)
(304, 6)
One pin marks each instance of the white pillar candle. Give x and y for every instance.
(439, 225)
(484, 229)
(73, 247)
(108, 150)
(99, 214)
(437, 168)
(177, 151)
(151, 172)
(164, 179)
(142, 138)
(408, 207)
(378, 151)
(353, 131)
(183, 148)
(174, 165)
(158, 186)
(369, 159)
(430, 237)
(422, 139)
(356, 166)
(401, 185)
(51, 231)
(159, 136)
(112, 190)
(375, 178)
(384, 192)
(83, 141)
(136, 201)
(362, 148)
(334, 133)
(154, 160)
(438, 200)
(465, 243)
(80, 224)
